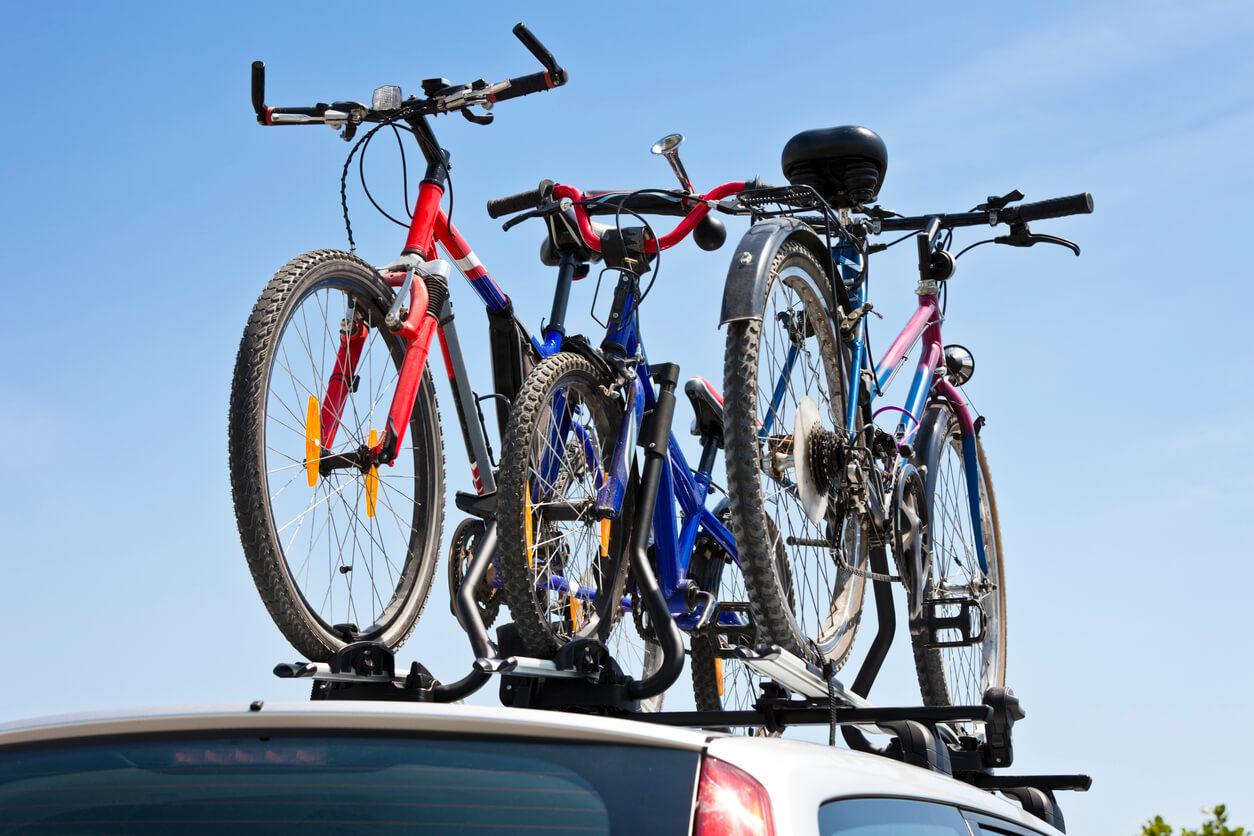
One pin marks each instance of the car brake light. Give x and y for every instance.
(731, 803)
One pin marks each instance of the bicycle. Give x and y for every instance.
(334, 433)
(569, 486)
(811, 473)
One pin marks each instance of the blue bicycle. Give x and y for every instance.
(568, 481)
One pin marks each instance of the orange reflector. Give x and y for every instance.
(576, 612)
(313, 440)
(372, 478)
(527, 523)
(718, 673)
(605, 538)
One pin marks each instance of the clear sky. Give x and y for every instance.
(143, 211)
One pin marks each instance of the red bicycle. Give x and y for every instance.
(336, 458)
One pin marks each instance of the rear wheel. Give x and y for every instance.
(565, 569)
(346, 547)
(784, 375)
(959, 675)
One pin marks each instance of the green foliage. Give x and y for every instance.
(1217, 826)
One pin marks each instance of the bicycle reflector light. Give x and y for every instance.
(387, 97)
(959, 364)
(731, 803)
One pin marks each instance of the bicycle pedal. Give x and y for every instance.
(934, 623)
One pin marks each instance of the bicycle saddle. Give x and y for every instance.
(845, 165)
(707, 406)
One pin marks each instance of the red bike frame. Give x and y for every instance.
(429, 228)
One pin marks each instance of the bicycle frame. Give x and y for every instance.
(512, 353)
(923, 326)
(674, 535)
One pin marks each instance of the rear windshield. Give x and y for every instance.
(305, 785)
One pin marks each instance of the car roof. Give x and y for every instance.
(787, 768)
(351, 716)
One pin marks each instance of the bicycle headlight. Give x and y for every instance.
(387, 97)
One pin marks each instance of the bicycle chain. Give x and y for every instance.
(866, 573)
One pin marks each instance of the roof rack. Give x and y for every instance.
(583, 676)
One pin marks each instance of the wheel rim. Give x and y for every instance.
(969, 671)
(825, 593)
(348, 567)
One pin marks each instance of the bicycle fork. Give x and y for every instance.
(427, 294)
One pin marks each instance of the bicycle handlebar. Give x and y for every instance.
(460, 97)
(1057, 207)
(692, 208)
(602, 204)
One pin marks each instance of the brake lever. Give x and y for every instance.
(478, 119)
(1021, 236)
(528, 215)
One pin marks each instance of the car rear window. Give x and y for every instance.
(890, 817)
(272, 785)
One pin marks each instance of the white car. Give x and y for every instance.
(364, 767)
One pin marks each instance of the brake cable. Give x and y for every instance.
(361, 145)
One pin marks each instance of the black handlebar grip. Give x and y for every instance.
(525, 85)
(259, 89)
(1058, 207)
(539, 50)
(520, 202)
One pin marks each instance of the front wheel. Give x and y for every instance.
(564, 567)
(338, 554)
(955, 586)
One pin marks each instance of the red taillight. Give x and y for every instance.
(731, 803)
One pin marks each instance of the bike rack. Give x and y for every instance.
(584, 676)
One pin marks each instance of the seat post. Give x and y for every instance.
(709, 449)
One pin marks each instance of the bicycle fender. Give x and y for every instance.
(744, 293)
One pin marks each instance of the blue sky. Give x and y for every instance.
(144, 211)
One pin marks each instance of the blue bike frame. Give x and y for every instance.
(925, 326)
(681, 512)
